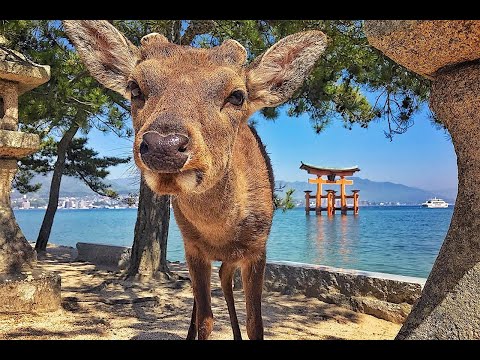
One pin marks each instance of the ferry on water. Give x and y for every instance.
(435, 203)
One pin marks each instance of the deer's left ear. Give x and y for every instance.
(273, 77)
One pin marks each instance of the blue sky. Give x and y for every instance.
(422, 157)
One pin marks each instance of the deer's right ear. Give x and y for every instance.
(273, 77)
(109, 56)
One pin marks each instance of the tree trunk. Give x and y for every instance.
(149, 250)
(63, 145)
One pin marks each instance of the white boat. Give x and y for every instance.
(435, 203)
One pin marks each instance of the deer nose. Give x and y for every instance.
(166, 153)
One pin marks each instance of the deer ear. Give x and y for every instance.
(273, 77)
(109, 56)
(232, 52)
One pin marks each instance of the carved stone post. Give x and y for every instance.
(23, 288)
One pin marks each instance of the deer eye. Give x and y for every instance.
(236, 98)
(135, 91)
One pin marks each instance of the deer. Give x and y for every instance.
(190, 109)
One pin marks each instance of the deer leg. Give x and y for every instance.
(192, 330)
(226, 277)
(200, 272)
(252, 278)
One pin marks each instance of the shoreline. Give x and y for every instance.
(297, 208)
(376, 240)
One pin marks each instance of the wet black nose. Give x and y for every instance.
(166, 153)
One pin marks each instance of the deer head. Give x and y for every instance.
(188, 103)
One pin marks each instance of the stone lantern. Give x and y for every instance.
(23, 287)
(448, 53)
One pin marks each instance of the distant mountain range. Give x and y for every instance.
(376, 191)
(372, 191)
(72, 187)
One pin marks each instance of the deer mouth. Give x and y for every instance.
(181, 182)
(164, 162)
(161, 168)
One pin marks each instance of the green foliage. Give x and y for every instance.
(81, 162)
(21, 182)
(335, 90)
(337, 86)
(130, 200)
(285, 203)
(71, 95)
(84, 163)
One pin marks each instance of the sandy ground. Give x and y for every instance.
(99, 304)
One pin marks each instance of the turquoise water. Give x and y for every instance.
(398, 240)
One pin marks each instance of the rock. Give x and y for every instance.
(17, 68)
(104, 255)
(32, 291)
(450, 304)
(396, 313)
(15, 144)
(426, 46)
(8, 105)
(449, 307)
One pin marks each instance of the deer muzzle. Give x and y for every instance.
(164, 153)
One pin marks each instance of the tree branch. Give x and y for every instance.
(196, 27)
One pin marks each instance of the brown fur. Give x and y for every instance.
(222, 196)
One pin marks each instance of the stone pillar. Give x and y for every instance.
(23, 287)
(15, 251)
(447, 52)
(9, 95)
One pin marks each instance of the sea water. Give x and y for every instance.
(402, 240)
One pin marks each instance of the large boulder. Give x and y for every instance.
(446, 52)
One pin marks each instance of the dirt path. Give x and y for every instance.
(97, 304)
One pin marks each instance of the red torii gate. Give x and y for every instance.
(331, 174)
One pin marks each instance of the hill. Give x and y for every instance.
(72, 187)
(373, 191)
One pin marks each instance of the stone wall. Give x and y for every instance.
(386, 296)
